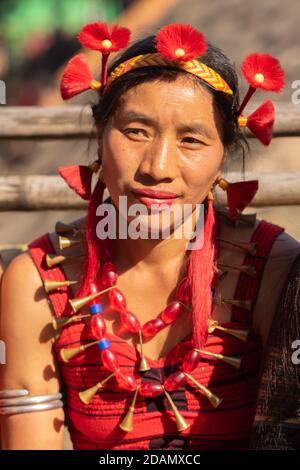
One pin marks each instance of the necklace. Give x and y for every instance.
(97, 328)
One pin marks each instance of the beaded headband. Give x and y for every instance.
(180, 46)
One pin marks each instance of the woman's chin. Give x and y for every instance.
(154, 227)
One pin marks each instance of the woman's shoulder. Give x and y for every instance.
(72, 231)
(25, 304)
(20, 274)
(281, 245)
(280, 253)
(58, 255)
(22, 277)
(285, 248)
(61, 247)
(283, 255)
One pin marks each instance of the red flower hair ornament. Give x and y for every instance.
(265, 72)
(180, 42)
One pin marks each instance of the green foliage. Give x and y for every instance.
(20, 18)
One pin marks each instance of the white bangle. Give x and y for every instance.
(21, 392)
(9, 410)
(29, 400)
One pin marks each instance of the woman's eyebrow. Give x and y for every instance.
(139, 117)
(196, 127)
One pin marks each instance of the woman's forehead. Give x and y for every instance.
(161, 98)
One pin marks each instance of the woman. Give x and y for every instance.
(191, 378)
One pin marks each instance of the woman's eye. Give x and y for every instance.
(135, 131)
(192, 140)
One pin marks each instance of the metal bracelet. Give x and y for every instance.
(21, 392)
(29, 400)
(10, 410)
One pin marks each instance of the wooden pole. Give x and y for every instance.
(37, 192)
(75, 122)
(41, 192)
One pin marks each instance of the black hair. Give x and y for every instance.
(234, 140)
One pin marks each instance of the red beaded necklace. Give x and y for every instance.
(97, 328)
(129, 321)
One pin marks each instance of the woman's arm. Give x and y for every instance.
(26, 329)
(283, 253)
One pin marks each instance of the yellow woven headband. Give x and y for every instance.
(195, 67)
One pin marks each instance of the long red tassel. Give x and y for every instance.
(200, 269)
(92, 260)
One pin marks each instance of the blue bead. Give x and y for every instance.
(103, 344)
(96, 308)
(213, 291)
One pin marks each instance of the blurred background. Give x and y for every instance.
(38, 37)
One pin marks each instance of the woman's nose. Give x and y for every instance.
(159, 160)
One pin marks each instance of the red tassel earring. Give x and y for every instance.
(239, 194)
(79, 177)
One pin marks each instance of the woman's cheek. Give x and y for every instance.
(120, 155)
(200, 177)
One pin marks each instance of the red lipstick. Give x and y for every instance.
(150, 197)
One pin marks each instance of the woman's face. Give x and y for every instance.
(164, 136)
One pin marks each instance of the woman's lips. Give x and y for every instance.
(157, 198)
(148, 201)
